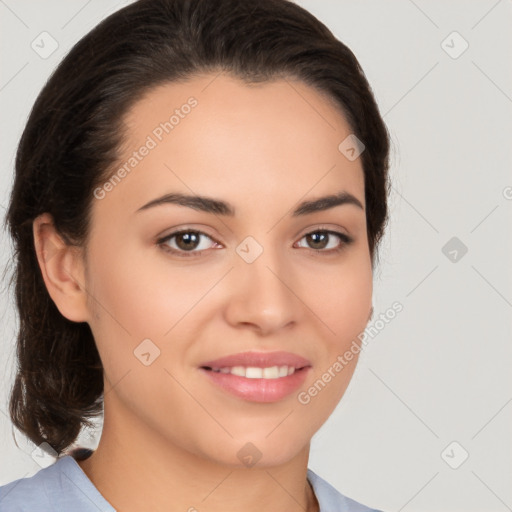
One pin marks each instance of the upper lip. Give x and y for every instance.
(259, 360)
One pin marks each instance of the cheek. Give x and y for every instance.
(343, 307)
(139, 298)
(144, 296)
(342, 298)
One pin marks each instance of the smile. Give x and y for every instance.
(255, 388)
(253, 372)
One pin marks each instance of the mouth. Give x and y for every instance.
(258, 376)
(255, 372)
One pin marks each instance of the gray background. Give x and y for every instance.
(440, 371)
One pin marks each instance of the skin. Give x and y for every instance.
(170, 438)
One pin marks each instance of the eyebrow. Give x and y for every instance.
(218, 207)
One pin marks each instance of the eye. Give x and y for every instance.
(186, 242)
(192, 243)
(323, 240)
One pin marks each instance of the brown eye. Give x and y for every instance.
(186, 242)
(318, 240)
(326, 241)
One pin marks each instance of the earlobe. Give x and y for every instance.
(62, 269)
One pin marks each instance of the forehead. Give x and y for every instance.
(225, 104)
(215, 135)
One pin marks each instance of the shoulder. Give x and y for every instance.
(331, 500)
(60, 486)
(30, 493)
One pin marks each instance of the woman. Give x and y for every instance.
(200, 192)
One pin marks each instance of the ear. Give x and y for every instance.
(62, 268)
(371, 314)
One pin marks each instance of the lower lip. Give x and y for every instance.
(258, 390)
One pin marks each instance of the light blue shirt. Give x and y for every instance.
(64, 487)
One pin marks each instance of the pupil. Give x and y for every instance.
(189, 238)
(315, 236)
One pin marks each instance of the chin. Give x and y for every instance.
(261, 451)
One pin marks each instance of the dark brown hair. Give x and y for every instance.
(72, 140)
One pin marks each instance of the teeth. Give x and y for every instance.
(283, 371)
(252, 372)
(271, 373)
(238, 370)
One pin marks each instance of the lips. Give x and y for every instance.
(258, 376)
(258, 360)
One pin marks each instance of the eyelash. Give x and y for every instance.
(345, 241)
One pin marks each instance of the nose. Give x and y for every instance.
(262, 296)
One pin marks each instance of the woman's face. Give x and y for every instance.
(247, 275)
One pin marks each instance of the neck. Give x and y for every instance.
(136, 469)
